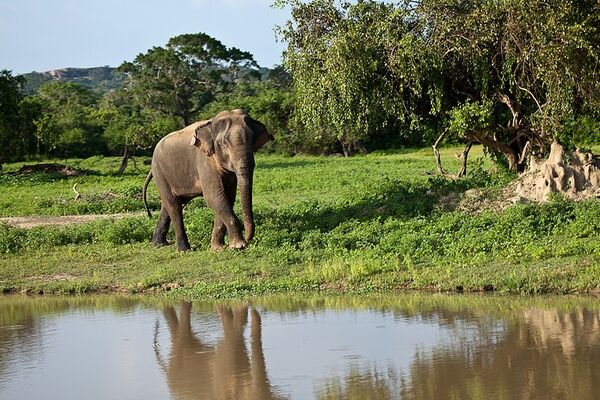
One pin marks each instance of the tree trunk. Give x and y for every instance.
(124, 160)
(510, 153)
(463, 160)
(436, 153)
(347, 149)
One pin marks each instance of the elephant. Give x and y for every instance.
(209, 158)
(198, 369)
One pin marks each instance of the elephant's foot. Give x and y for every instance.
(159, 242)
(183, 247)
(217, 246)
(238, 244)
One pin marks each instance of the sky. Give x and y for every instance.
(41, 35)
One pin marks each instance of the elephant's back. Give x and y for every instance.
(178, 140)
(176, 162)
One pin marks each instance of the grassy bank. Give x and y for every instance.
(366, 224)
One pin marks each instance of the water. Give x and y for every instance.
(421, 346)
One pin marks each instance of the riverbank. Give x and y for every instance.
(374, 223)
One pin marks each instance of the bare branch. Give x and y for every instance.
(436, 153)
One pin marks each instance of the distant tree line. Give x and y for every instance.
(512, 75)
(193, 77)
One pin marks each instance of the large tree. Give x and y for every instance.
(513, 75)
(129, 127)
(517, 74)
(178, 80)
(357, 69)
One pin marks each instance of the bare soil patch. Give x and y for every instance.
(34, 221)
(59, 169)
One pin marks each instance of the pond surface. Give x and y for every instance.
(423, 346)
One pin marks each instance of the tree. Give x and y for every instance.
(129, 127)
(68, 125)
(484, 71)
(16, 116)
(180, 79)
(356, 68)
(514, 82)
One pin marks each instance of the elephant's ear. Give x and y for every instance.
(203, 138)
(261, 134)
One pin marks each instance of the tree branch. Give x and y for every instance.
(436, 153)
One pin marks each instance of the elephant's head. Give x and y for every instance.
(231, 138)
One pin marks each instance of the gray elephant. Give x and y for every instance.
(210, 159)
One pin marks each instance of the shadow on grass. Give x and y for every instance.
(396, 199)
(292, 163)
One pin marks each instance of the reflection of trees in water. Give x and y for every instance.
(362, 384)
(19, 340)
(224, 370)
(23, 321)
(532, 358)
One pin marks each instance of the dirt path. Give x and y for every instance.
(32, 222)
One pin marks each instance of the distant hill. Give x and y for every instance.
(100, 79)
(104, 79)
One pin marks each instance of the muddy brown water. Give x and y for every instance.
(414, 346)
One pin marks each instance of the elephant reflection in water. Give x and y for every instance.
(196, 370)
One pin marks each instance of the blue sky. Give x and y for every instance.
(40, 35)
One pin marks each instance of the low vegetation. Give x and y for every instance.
(366, 77)
(369, 223)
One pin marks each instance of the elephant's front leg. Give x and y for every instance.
(234, 229)
(225, 219)
(217, 241)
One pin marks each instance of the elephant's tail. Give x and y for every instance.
(148, 179)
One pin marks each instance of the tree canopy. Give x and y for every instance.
(484, 71)
(178, 80)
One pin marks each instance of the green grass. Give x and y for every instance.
(365, 224)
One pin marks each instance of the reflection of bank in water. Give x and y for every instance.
(225, 370)
(405, 346)
(541, 354)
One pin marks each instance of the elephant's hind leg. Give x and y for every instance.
(174, 208)
(159, 237)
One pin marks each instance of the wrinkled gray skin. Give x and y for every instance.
(210, 159)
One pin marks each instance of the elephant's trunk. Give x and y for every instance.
(245, 186)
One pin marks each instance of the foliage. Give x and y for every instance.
(127, 124)
(16, 116)
(354, 70)
(67, 126)
(485, 69)
(535, 75)
(180, 79)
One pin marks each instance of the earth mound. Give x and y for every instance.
(575, 174)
